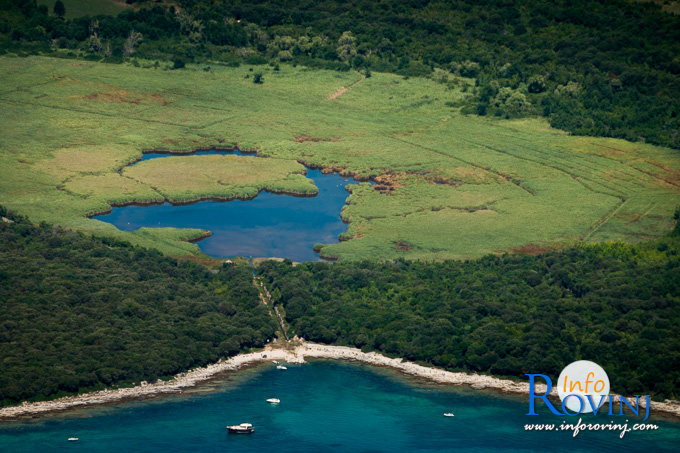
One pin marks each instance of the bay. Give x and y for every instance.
(325, 406)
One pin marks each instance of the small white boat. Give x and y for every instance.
(273, 400)
(276, 362)
(448, 414)
(281, 367)
(72, 439)
(243, 428)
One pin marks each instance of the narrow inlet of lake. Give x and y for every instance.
(269, 225)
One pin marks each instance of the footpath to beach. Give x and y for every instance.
(294, 352)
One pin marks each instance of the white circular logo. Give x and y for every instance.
(583, 384)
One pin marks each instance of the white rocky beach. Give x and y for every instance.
(294, 353)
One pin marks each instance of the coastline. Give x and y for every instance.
(295, 355)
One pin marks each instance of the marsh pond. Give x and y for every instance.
(270, 225)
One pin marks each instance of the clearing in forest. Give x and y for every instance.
(448, 185)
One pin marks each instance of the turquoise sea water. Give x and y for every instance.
(326, 406)
(270, 225)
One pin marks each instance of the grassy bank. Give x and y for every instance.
(187, 178)
(451, 186)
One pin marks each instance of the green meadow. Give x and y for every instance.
(449, 185)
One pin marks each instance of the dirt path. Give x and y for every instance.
(266, 299)
(343, 90)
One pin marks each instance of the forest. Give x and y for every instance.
(80, 313)
(601, 68)
(612, 303)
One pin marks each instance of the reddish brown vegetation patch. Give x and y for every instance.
(631, 217)
(119, 96)
(611, 151)
(306, 138)
(342, 171)
(158, 98)
(126, 97)
(402, 246)
(387, 182)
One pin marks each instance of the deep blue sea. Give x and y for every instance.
(268, 226)
(326, 406)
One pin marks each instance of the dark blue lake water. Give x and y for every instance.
(268, 226)
(325, 407)
(235, 152)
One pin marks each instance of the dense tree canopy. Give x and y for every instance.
(79, 313)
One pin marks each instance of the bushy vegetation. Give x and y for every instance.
(79, 313)
(602, 68)
(611, 303)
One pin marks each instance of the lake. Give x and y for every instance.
(270, 225)
(325, 406)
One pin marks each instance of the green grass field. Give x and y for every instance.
(188, 178)
(453, 186)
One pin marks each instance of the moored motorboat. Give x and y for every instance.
(243, 428)
(273, 400)
(281, 367)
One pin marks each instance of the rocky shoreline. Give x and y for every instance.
(296, 352)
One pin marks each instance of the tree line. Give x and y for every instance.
(603, 68)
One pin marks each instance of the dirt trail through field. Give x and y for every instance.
(343, 90)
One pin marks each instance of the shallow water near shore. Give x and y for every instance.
(269, 225)
(325, 406)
